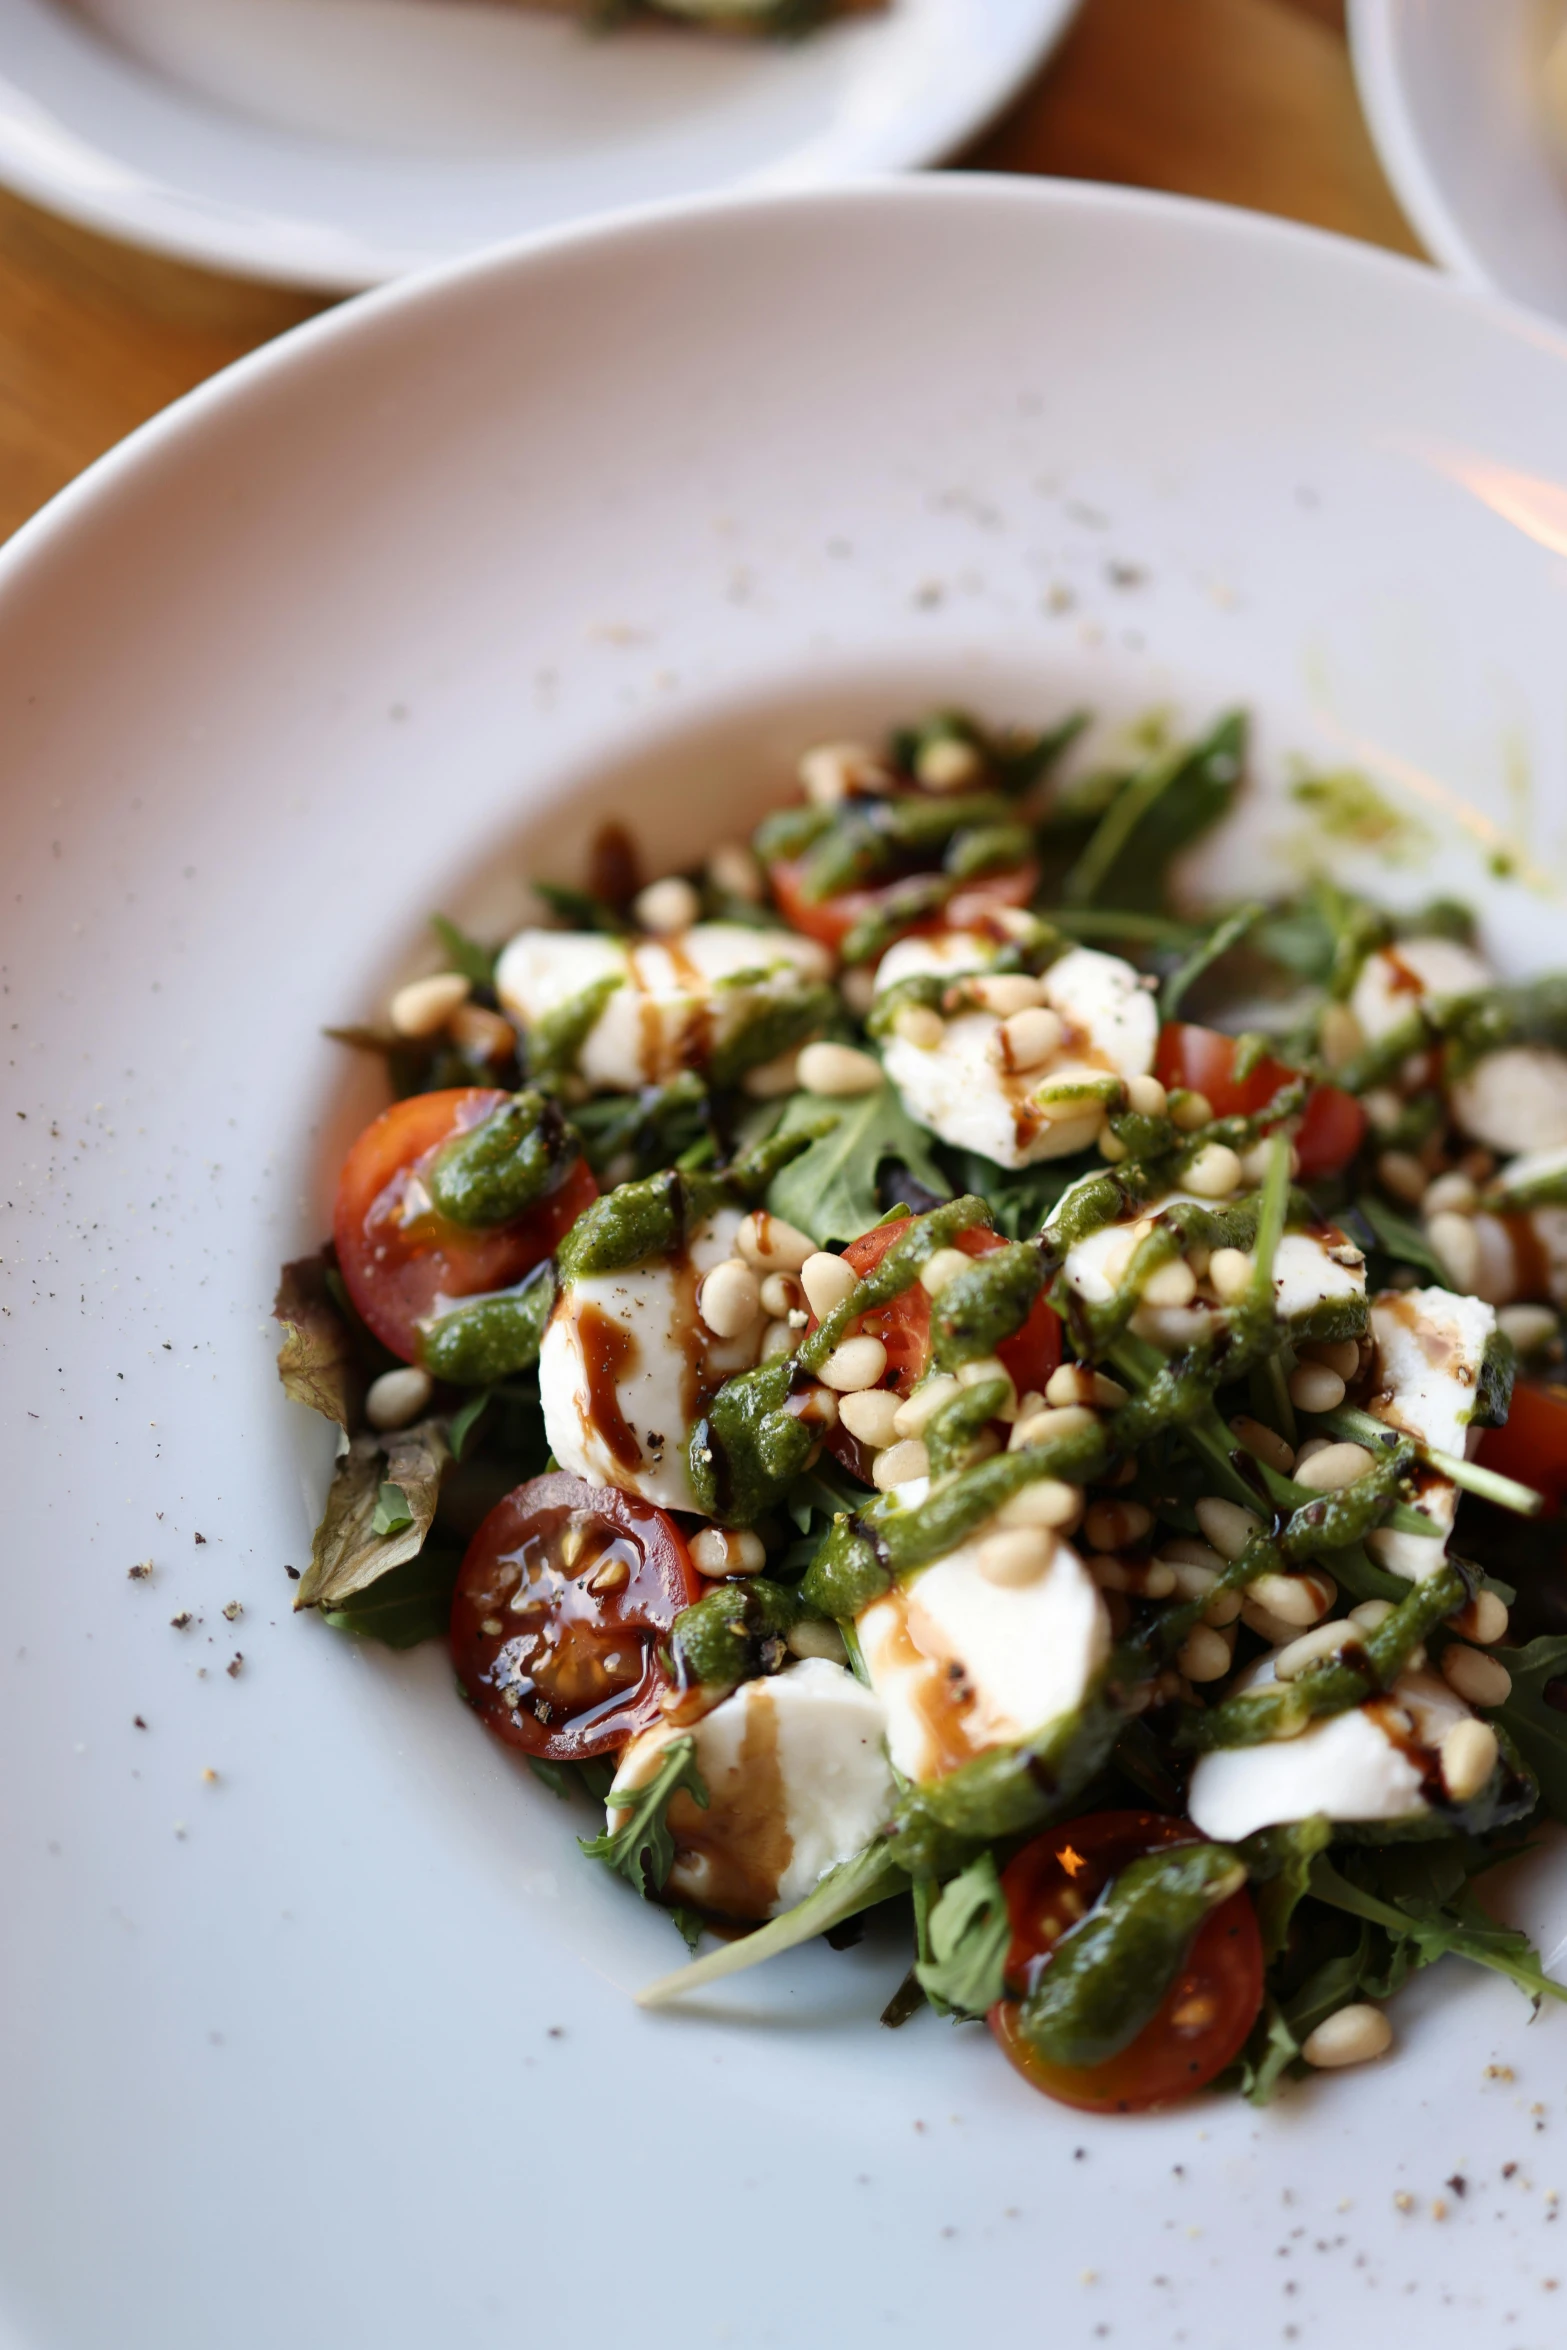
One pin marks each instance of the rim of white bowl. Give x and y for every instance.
(1373, 48)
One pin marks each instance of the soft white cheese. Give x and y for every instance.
(1308, 1269)
(677, 1000)
(1347, 1766)
(619, 1404)
(1111, 1028)
(1397, 980)
(1430, 1345)
(962, 1664)
(797, 1780)
(1515, 1099)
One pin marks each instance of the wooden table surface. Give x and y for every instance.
(1248, 101)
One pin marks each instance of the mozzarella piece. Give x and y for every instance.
(1515, 1099)
(626, 1366)
(1309, 1268)
(678, 998)
(1351, 1766)
(1111, 1028)
(797, 1779)
(1430, 1346)
(962, 1664)
(1397, 980)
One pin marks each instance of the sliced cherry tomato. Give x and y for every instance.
(903, 1326)
(831, 919)
(1209, 2009)
(1332, 1127)
(565, 1596)
(397, 1255)
(1531, 1445)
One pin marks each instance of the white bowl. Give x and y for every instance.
(338, 143)
(1454, 93)
(372, 625)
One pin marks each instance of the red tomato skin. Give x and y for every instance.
(662, 1583)
(1223, 1965)
(1333, 1124)
(394, 1272)
(830, 920)
(1531, 1444)
(903, 1326)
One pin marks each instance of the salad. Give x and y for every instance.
(911, 1368)
(784, 19)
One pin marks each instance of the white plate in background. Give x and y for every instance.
(1453, 91)
(337, 143)
(338, 2048)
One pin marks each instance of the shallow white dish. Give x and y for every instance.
(338, 143)
(338, 2047)
(1453, 92)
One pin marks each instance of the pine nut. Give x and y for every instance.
(1469, 1753)
(1263, 1444)
(781, 1296)
(1049, 1501)
(424, 1006)
(916, 1415)
(398, 1397)
(773, 1246)
(1016, 1556)
(667, 907)
(982, 1373)
(1321, 1641)
(1309, 1451)
(947, 763)
(1478, 1679)
(811, 1638)
(839, 1070)
(1146, 1578)
(857, 986)
(1269, 1628)
(1189, 1110)
(833, 771)
(729, 1299)
(1530, 1328)
(1339, 1354)
(918, 1025)
(899, 1465)
(1293, 1599)
(735, 873)
(1451, 1194)
(769, 1079)
(1226, 1525)
(1334, 1467)
(827, 1281)
(720, 1551)
(1383, 1107)
(1350, 2035)
(1230, 1271)
(1114, 1525)
(944, 1266)
(1314, 1388)
(1174, 1284)
(1215, 1172)
(1184, 1550)
(1483, 1620)
(484, 1036)
(871, 1415)
(1402, 1175)
(1204, 1655)
(1371, 1614)
(857, 1363)
(1006, 992)
(1339, 1035)
(1080, 1383)
(1111, 1148)
(1048, 1427)
(778, 1339)
(1146, 1096)
(1457, 1246)
(1026, 1041)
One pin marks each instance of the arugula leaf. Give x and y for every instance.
(578, 910)
(1278, 1863)
(350, 1551)
(392, 1513)
(969, 1931)
(853, 1885)
(1020, 1198)
(551, 1775)
(464, 1421)
(411, 1603)
(688, 1923)
(316, 1359)
(1158, 811)
(1433, 1929)
(1266, 2057)
(1397, 1237)
(829, 1191)
(1537, 1727)
(1215, 946)
(643, 1845)
(464, 954)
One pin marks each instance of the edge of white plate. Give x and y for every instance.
(1380, 86)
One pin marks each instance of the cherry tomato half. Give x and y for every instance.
(564, 1597)
(1531, 1444)
(397, 1255)
(1332, 1126)
(831, 919)
(1209, 2008)
(903, 1326)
